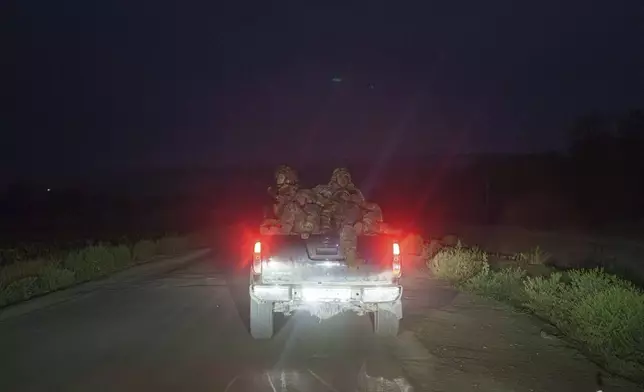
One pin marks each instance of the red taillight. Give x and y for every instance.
(396, 264)
(257, 258)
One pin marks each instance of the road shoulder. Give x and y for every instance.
(473, 343)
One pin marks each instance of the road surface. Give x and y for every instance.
(182, 324)
(184, 327)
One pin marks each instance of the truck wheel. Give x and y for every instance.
(261, 319)
(385, 322)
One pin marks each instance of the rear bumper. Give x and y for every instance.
(326, 294)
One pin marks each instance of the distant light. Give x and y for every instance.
(372, 86)
(336, 80)
(48, 189)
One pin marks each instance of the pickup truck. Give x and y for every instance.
(290, 273)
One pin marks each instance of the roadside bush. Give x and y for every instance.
(122, 256)
(548, 296)
(431, 248)
(83, 268)
(19, 270)
(53, 277)
(611, 322)
(21, 280)
(144, 250)
(97, 260)
(534, 257)
(458, 264)
(555, 298)
(599, 310)
(506, 284)
(18, 290)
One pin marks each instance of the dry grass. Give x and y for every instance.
(458, 264)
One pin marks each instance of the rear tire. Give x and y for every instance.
(261, 319)
(385, 322)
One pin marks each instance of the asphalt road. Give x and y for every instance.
(183, 325)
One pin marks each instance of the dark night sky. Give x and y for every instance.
(136, 84)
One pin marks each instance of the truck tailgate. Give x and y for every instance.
(318, 259)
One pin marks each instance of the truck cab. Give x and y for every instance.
(289, 272)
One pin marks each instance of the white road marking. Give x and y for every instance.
(270, 382)
(230, 384)
(320, 379)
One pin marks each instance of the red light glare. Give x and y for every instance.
(258, 247)
(396, 249)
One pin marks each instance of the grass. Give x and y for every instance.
(599, 312)
(33, 273)
(457, 264)
(503, 285)
(602, 312)
(533, 257)
(144, 250)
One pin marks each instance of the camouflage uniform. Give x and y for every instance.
(345, 212)
(386, 229)
(270, 226)
(285, 208)
(282, 196)
(288, 218)
(337, 206)
(340, 178)
(286, 183)
(286, 175)
(369, 214)
(342, 208)
(323, 198)
(372, 218)
(348, 245)
(304, 197)
(308, 218)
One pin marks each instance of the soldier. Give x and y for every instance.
(344, 201)
(341, 179)
(286, 175)
(323, 196)
(304, 197)
(348, 245)
(285, 190)
(289, 216)
(370, 214)
(308, 217)
(372, 218)
(345, 211)
(286, 181)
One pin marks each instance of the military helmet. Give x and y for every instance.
(342, 177)
(285, 175)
